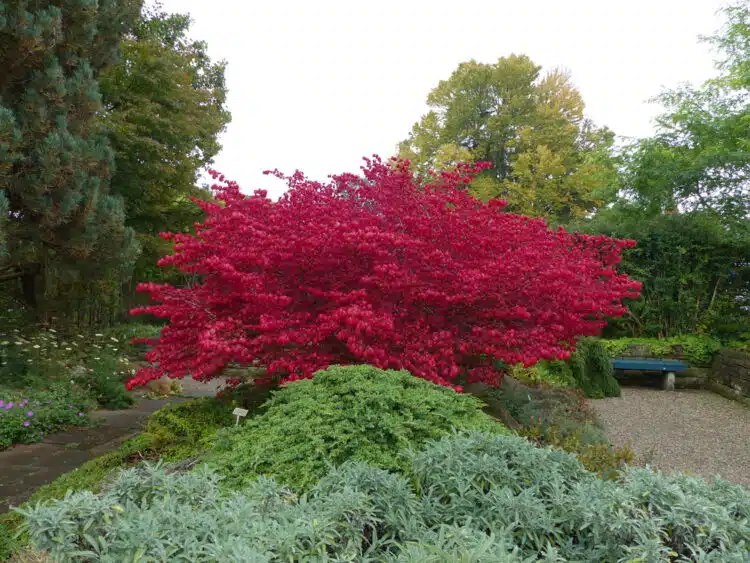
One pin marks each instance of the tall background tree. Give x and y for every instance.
(699, 158)
(686, 199)
(548, 159)
(166, 107)
(65, 231)
(108, 113)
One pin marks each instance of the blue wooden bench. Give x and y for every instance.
(668, 367)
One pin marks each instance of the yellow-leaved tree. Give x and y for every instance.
(548, 159)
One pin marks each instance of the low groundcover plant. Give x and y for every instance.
(25, 420)
(468, 497)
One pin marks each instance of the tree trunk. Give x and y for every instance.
(32, 285)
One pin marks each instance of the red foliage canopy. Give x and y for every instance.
(378, 269)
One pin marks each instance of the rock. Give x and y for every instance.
(161, 386)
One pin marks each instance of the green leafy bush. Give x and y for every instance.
(552, 374)
(472, 497)
(25, 419)
(354, 412)
(93, 364)
(561, 418)
(102, 378)
(27, 361)
(591, 368)
(695, 349)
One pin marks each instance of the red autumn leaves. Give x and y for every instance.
(379, 269)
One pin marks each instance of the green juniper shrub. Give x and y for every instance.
(469, 497)
(353, 412)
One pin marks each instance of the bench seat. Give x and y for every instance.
(650, 365)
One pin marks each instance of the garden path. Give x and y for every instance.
(692, 431)
(25, 468)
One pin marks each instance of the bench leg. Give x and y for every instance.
(669, 381)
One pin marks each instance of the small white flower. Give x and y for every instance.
(113, 339)
(36, 345)
(68, 349)
(19, 343)
(80, 336)
(4, 343)
(97, 358)
(53, 331)
(97, 334)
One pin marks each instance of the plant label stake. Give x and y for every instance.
(238, 412)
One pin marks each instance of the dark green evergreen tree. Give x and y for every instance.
(66, 237)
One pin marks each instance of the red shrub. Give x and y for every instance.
(381, 270)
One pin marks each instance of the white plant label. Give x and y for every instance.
(238, 412)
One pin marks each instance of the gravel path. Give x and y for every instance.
(695, 432)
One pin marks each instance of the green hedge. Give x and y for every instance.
(696, 349)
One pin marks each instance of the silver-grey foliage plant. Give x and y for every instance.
(470, 497)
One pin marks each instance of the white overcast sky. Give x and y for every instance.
(317, 85)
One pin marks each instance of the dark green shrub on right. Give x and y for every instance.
(591, 368)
